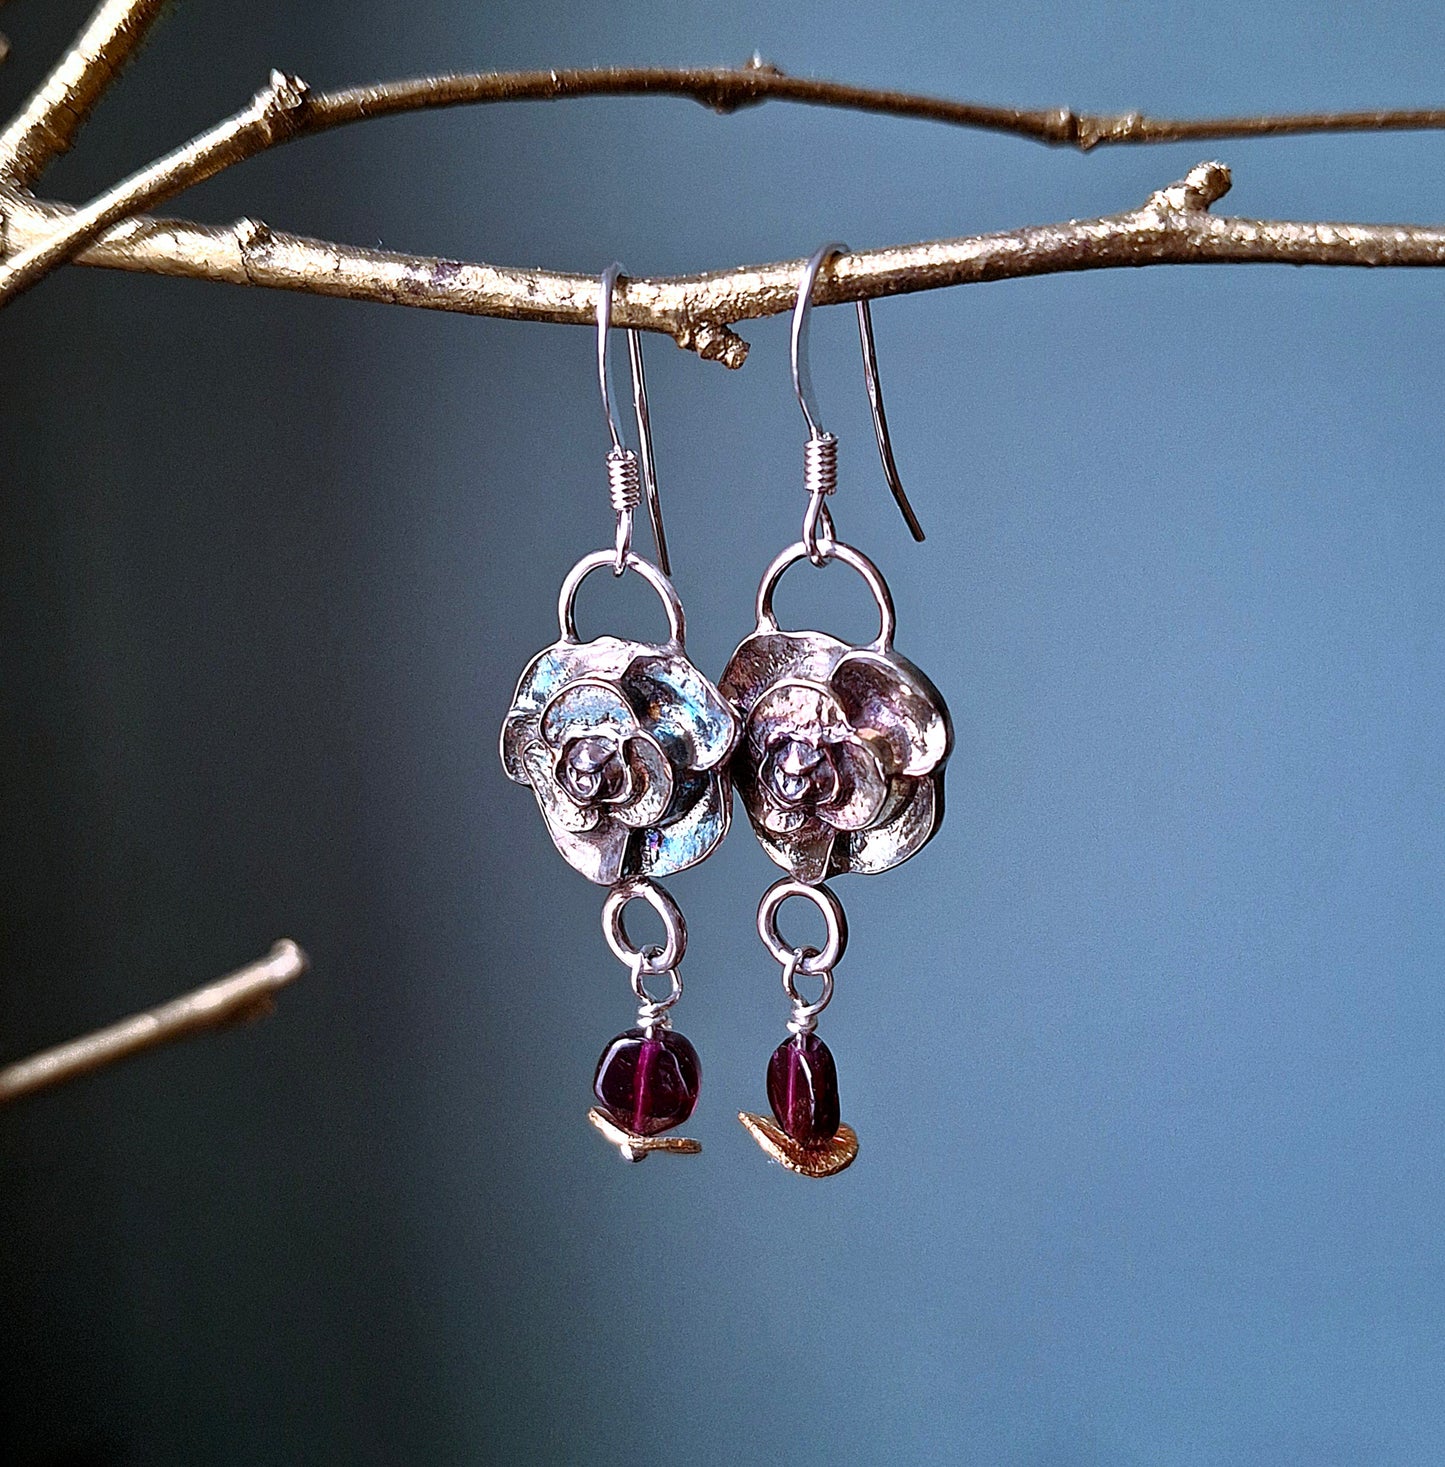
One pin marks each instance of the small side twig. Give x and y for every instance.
(244, 994)
(271, 115)
(48, 122)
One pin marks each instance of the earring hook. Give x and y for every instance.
(628, 478)
(821, 450)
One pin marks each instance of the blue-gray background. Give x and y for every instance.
(1144, 1050)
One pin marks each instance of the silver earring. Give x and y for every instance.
(626, 747)
(839, 766)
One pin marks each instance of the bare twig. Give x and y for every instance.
(262, 124)
(50, 119)
(697, 311)
(45, 126)
(726, 89)
(1172, 227)
(244, 994)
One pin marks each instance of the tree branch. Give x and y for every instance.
(46, 125)
(50, 119)
(1172, 227)
(726, 89)
(266, 121)
(244, 994)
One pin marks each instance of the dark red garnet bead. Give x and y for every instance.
(803, 1089)
(648, 1083)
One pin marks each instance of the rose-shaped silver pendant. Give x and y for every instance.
(625, 744)
(840, 764)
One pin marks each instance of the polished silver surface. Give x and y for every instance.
(805, 1013)
(845, 555)
(840, 764)
(629, 477)
(624, 744)
(666, 593)
(648, 962)
(820, 453)
(651, 1010)
(813, 962)
(644, 439)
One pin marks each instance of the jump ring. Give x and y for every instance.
(821, 962)
(640, 973)
(830, 549)
(651, 962)
(666, 592)
(805, 1013)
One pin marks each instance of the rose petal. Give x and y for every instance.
(599, 854)
(910, 829)
(781, 821)
(584, 707)
(888, 698)
(681, 708)
(765, 812)
(806, 852)
(651, 783)
(558, 808)
(624, 795)
(863, 787)
(594, 844)
(665, 849)
(564, 662)
(765, 657)
(794, 710)
(518, 731)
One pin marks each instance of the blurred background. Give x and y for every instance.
(1144, 1050)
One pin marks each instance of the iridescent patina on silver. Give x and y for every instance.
(840, 764)
(625, 744)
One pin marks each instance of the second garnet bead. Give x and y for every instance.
(803, 1089)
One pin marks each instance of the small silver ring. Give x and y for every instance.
(666, 592)
(829, 549)
(821, 962)
(655, 1006)
(650, 962)
(805, 1014)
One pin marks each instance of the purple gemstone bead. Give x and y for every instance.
(803, 1089)
(648, 1084)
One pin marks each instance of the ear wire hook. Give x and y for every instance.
(644, 437)
(627, 478)
(820, 452)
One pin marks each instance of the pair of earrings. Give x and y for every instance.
(836, 750)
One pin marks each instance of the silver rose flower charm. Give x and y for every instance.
(625, 745)
(840, 765)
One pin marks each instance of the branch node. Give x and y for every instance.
(252, 236)
(279, 105)
(1203, 185)
(729, 95)
(713, 341)
(1120, 127)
